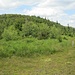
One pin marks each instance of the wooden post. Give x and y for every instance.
(72, 43)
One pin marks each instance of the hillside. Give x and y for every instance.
(14, 26)
(31, 45)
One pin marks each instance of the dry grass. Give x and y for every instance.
(62, 63)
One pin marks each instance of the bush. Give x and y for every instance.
(10, 33)
(29, 48)
(60, 39)
(65, 38)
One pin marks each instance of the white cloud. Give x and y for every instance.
(51, 9)
(8, 4)
(54, 10)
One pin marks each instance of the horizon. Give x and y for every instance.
(54, 10)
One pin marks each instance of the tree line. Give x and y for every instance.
(16, 26)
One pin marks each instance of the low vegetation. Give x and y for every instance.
(31, 45)
(60, 60)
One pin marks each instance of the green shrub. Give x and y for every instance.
(29, 47)
(65, 38)
(10, 33)
(60, 39)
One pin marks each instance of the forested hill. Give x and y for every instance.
(15, 26)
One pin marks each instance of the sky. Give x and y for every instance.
(62, 11)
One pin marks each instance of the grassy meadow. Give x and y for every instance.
(31, 56)
(31, 45)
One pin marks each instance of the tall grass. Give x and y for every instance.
(31, 47)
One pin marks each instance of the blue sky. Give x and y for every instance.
(17, 10)
(62, 11)
(70, 12)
